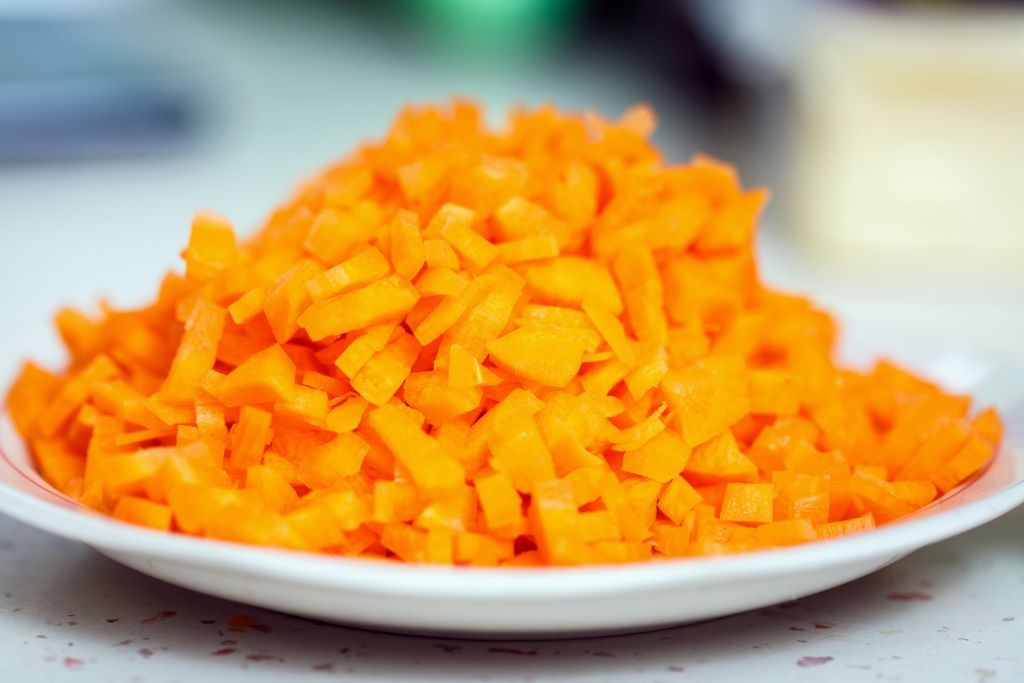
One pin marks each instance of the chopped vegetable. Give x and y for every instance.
(542, 346)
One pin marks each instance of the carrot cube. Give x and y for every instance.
(747, 503)
(265, 377)
(407, 252)
(135, 510)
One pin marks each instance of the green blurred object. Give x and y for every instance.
(493, 26)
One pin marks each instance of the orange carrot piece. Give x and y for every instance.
(454, 224)
(661, 458)
(567, 280)
(528, 249)
(386, 299)
(518, 219)
(989, 425)
(211, 246)
(332, 462)
(248, 306)
(708, 396)
(288, 298)
(975, 453)
(539, 354)
(143, 512)
(365, 267)
(612, 331)
(747, 503)
(249, 437)
(845, 527)
(434, 471)
(407, 252)
(720, 460)
(336, 233)
(520, 453)
(381, 376)
(265, 377)
(196, 354)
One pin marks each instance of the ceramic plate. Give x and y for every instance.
(538, 603)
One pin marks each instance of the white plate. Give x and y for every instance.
(537, 603)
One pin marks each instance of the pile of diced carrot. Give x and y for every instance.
(534, 346)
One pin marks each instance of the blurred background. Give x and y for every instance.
(890, 132)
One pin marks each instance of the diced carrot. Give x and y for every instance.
(944, 442)
(785, 532)
(540, 354)
(485, 319)
(249, 437)
(323, 522)
(876, 496)
(272, 487)
(673, 540)
(747, 503)
(336, 233)
(989, 425)
(363, 347)
(288, 298)
(661, 458)
(708, 396)
(58, 462)
(612, 331)
(248, 306)
(143, 512)
(432, 395)
(975, 453)
(773, 392)
(384, 299)
(332, 386)
(454, 224)
(441, 282)
(211, 246)
(307, 408)
(528, 249)
(361, 269)
(519, 219)
(265, 377)
(641, 287)
(720, 460)
(533, 346)
(183, 468)
(567, 280)
(347, 416)
(407, 252)
(845, 527)
(395, 502)
(382, 375)
(197, 352)
(434, 471)
(918, 493)
(335, 460)
(732, 226)
(520, 453)
(801, 496)
(440, 254)
(501, 504)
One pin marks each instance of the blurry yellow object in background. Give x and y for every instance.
(911, 135)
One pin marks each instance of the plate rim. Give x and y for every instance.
(66, 518)
(393, 578)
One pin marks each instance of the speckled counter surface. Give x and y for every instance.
(954, 611)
